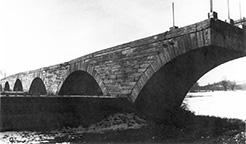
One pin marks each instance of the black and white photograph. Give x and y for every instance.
(123, 71)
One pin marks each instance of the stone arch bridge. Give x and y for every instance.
(153, 73)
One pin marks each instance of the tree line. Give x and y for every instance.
(224, 85)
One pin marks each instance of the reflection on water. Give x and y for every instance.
(229, 104)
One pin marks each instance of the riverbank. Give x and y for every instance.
(185, 127)
(170, 134)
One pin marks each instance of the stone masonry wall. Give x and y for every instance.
(51, 76)
(123, 70)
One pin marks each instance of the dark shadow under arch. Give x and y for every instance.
(165, 90)
(37, 87)
(80, 83)
(6, 87)
(18, 85)
(1, 88)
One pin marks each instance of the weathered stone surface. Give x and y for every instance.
(135, 62)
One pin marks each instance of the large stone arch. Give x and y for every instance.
(89, 69)
(165, 85)
(18, 85)
(6, 86)
(37, 87)
(80, 83)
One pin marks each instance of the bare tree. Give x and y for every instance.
(225, 84)
(232, 85)
(228, 85)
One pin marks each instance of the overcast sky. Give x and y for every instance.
(39, 33)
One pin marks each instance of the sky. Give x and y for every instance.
(40, 33)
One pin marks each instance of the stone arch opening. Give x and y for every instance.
(18, 85)
(80, 83)
(37, 87)
(6, 87)
(165, 91)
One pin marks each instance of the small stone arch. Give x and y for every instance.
(6, 87)
(37, 87)
(80, 83)
(18, 85)
(83, 66)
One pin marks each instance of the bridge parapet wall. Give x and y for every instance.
(227, 36)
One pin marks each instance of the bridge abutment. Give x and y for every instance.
(49, 113)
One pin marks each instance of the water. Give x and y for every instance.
(228, 104)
